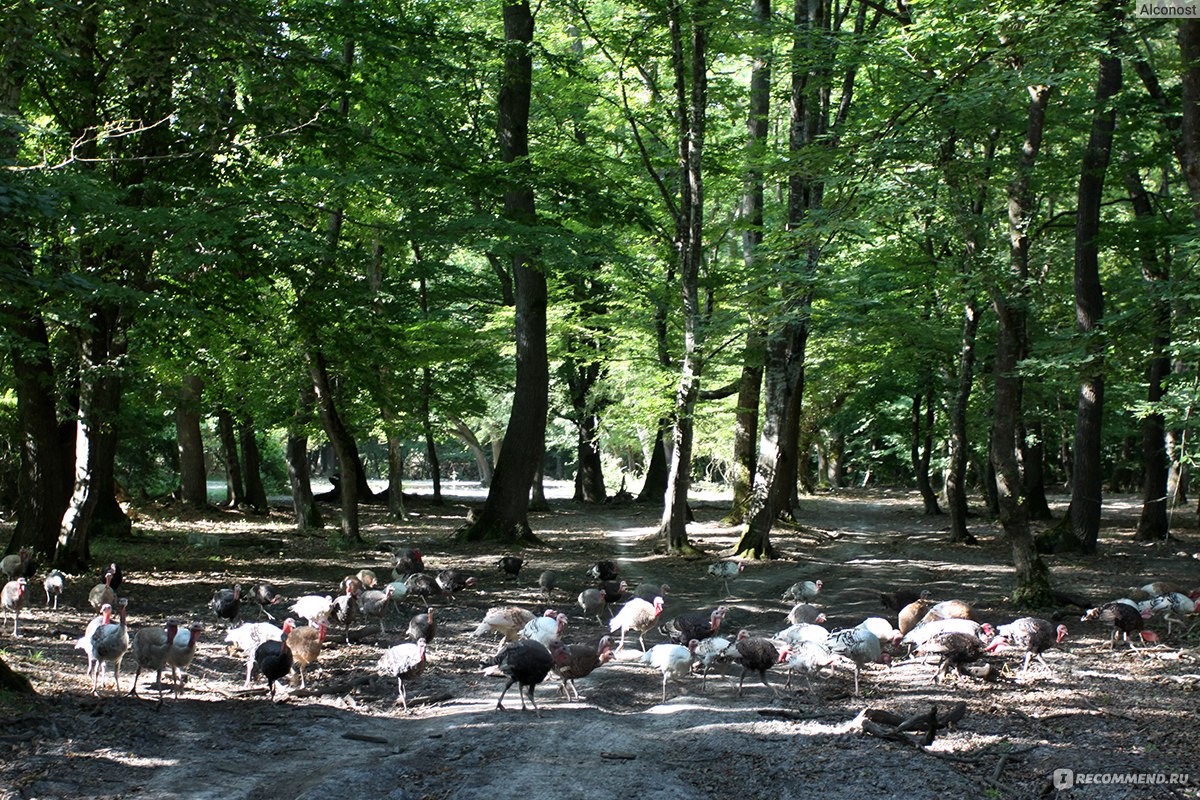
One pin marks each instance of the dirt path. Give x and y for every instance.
(1101, 710)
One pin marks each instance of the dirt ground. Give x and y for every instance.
(1095, 711)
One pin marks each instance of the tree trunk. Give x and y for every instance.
(92, 509)
(691, 108)
(922, 451)
(745, 435)
(462, 431)
(395, 490)
(236, 491)
(193, 482)
(1009, 301)
(349, 465)
(654, 486)
(589, 475)
(1189, 50)
(504, 517)
(537, 489)
(308, 516)
(431, 456)
(1033, 459)
(956, 474)
(256, 493)
(1086, 486)
(1154, 523)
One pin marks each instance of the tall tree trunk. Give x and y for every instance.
(1009, 301)
(691, 108)
(431, 456)
(922, 449)
(1189, 50)
(236, 487)
(304, 507)
(349, 465)
(93, 510)
(956, 474)
(256, 493)
(1154, 523)
(193, 481)
(505, 515)
(745, 436)
(1033, 460)
(1086, 486)
(654, 486)
(589, 474)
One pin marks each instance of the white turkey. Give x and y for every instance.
(674, 661)
(637, 615)
(725, 570)
(504, 620)
(713, 650)
(807, 658)
(248, 636)
(313, 607)
(803, 632)
(545, 629)
(1176, 605)
(860, 646)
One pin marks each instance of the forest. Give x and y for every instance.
(946, 246)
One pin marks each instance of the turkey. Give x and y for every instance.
(636, 615)
(526, 663)
(592, 602)
(247, 638)
(103, 594)
(803, 591)
(404, 661)
(510, 566)
(912, 614)
(646, 591)
(604, 571)
(151, 646)
(375, 603)
(421, 585)
(274, 659)
(451, 581)
(674, 661)
(949, 609)
(714, 650)
(54, 584)
(183, 650)
(410, 563)
(305, 644)
(547, 582)
(263, 595)
(803, 632)
(227, 603)
(925, 631)
(756, 654)
(958, 651)
(695, 625)
(882, 629)
(572, 662)
(504, 620)
(14, 598)
(614, 591)
(344, 609)
(312, 607)
(726, 570)
(423, 626)
(13, 566)
(807, 658)
(1034, 635)
(117, 578)
(351, 585)
(1176, 605)
(803, 612)
(545, 629)
(84, 642)
(900, 598)
(859, 645)
(109, 645)
(1158, 588)
(367, 578)
(1122, 618)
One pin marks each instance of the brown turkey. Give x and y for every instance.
(900, 598)
(1123, 618)
(958, 651)
(698, 625)
(756, 654)
(575, 661)
(1034, 635)
(912, 614)
(526, 663)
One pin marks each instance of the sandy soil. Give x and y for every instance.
(1096, 710)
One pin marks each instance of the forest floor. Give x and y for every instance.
(1096, 710)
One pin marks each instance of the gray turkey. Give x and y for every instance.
(403, 662)
(526, 663)
(344, 610)
(547, 583)
(592, 602)
(647, 591)
(1034, 635)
